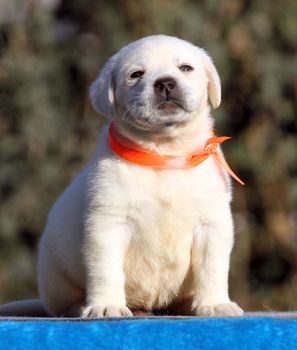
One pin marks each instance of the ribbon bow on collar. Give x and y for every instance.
(133, 154)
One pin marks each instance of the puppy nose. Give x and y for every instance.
(165, 84)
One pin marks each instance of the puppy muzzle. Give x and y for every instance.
(165, 85)
(167, 94)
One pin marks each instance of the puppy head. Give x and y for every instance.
(155, 83)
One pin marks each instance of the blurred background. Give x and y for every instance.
(51, 51)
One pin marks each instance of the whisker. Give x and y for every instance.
(131, 107)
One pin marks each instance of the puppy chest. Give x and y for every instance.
(155, 270)
(163, 217)
(158, 256)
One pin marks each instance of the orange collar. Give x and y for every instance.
(132, 153)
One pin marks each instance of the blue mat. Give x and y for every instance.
(144, 333)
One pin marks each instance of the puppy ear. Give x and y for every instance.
(214, 84)
(102, 90)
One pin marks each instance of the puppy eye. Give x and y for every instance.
(137, 74)
(185, 68)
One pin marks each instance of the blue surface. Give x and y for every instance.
(233, 333)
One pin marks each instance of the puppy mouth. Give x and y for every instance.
(167, 112)
(146, 125)
(169, 106)
(173, 123)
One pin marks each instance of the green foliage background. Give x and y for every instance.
(50, 52)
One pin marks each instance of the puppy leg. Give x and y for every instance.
(59, 294)
(210, 257)
(104, 257)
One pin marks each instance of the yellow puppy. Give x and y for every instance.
(125, 236)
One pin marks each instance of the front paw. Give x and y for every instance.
(217, 310)
(98, 311)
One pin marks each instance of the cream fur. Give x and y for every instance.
(124, 237)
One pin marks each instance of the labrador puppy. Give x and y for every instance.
(126, 236)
